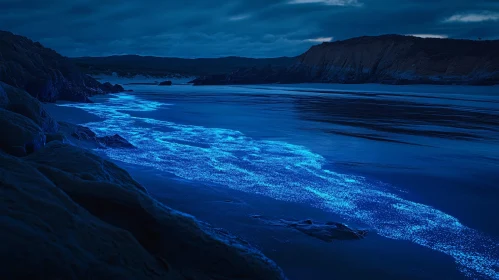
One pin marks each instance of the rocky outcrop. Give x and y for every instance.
(390, 59)
(23, 122)
(46, 235)
(18, 101)
(84, 136)
(68, 214)
(44, 73)
(110, 88)
(20, 135)
(327, 232)
(115, 141)
(166, 83)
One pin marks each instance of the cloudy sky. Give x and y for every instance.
(254, 28)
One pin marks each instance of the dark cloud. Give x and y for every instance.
(257, 28)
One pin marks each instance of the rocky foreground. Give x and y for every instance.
(44, 73)
(68, 214)
(389, 59)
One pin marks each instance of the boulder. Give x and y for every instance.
(166, 83)
(327, 232)
(195, 249)
(83, 164)
(46, 235)
(115, 141)
(110, 88)
(88, 138)
(118, 88)
(20, 135)
(76, 131)
(19, 101)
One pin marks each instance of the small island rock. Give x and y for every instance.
(166, 83)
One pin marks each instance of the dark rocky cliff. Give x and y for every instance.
(44, 73)
(391, 59)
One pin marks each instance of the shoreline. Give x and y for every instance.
(232, 210)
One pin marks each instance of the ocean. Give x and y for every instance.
(417, 166)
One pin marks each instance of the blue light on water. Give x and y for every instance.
(286, 172)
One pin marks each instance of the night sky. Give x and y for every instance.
(253, 28)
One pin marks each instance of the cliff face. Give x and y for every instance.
(402, 59)
(391, 59)
(44, 73)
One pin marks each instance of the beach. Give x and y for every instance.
(255, 135)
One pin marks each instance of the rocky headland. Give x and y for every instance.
(388, 59)
(45, 74)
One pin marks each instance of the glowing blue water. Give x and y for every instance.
(286, 172)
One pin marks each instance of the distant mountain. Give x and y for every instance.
(390, 59)
(131, 65)
(44, 73)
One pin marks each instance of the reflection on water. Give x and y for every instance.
(283, 143)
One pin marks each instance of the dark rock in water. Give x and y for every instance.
(19, 101)
(327, 232)
(42, 72)
(86, 135)
(178, 240)
(324, 231)
(308, 222)
(166, 83)
(20, 135)
(83, 133)
(110, 88)
(118, 88)
(115, 141)
(77, 131)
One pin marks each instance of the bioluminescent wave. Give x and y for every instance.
(286, 172)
